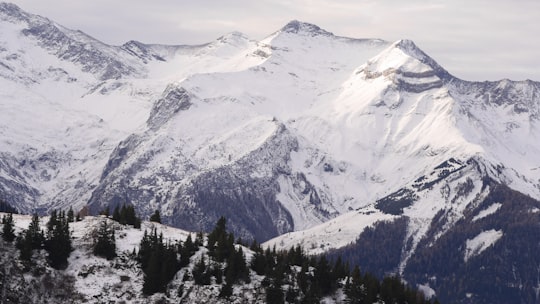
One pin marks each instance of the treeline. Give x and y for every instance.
(377, 248)
(290, 276)
(124, 215)
(7, 208)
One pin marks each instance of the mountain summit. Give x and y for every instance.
(309, 137)
(299, 27)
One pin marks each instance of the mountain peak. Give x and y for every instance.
(8, 7)
(404, 57)
(234, 36)
(10, 11)
(409, 48)
(299, 27)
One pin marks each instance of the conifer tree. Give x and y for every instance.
(105, 243)
(199, 239)
(201, 275)
(258, 262)
(116, 214)
(70, 215)
(8, 231)
(5, 207)
(236, 268)
(30, 239)
(24, 244)
(152, 277)
(274, 293)
(58, 242)
(322, 276)
(187, 251)
(155, 217)
(35, 234)
(127, 216)
(226, 291)
(158, 261)
(354, 289)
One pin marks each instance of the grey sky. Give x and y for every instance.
(474, 40)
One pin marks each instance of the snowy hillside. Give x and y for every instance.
(205, 269)
(92, 279)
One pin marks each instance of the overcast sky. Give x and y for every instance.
(474, 39)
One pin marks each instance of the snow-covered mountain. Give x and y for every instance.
(303, 134)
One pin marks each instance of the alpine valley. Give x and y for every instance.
(362, 148)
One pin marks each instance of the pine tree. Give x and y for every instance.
(201, 275)
(199, 239)
(127, 216)
(155, 217)
(105, 244)
(187, 251)
(152, 277)
(58, 242)
(322, 276)
(236, 269)
(70, 215)
(158, 261)
(30, 239)
(24, 244)
(35, 234)
(5, 207)
(258, 262)
(226, 291)
(274, 294)
(116, 214)
(354, 289)
(219, 233)
(8, 231)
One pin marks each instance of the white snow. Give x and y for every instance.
(334, 233)
(481, 242)
(489, 210)
(427, 291)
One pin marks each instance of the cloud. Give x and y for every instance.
(475, 40)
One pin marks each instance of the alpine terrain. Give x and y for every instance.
(361, 148)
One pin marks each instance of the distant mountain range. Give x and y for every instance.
(361, 147)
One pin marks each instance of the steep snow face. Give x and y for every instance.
(503, 118)
(451, 187)
(220, 121)
(377, 125)
(480, 242)
(61, 120)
